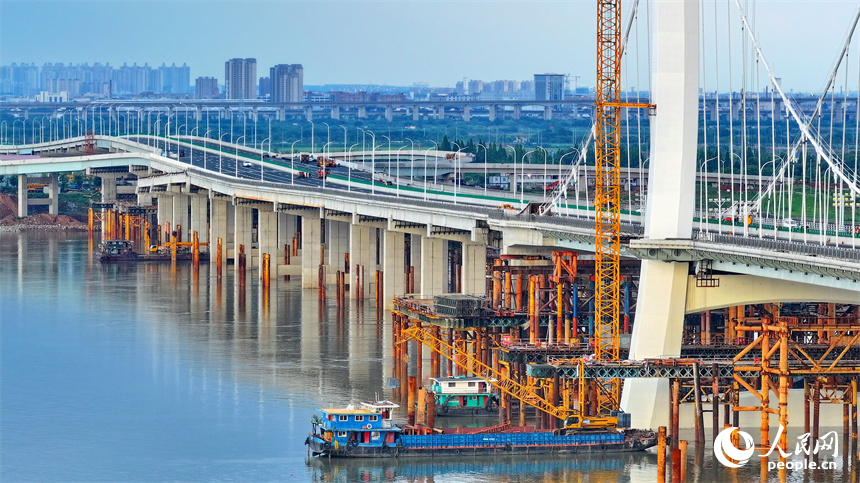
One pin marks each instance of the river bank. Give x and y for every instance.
(9, 221)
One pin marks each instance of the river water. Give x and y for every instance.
(151, 373)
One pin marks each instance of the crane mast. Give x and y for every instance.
(607, 197)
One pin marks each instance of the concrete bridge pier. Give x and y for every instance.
(218, 225)
(434, 266)
(311, 240)
(243, 219)
(336, 248)
(281, 114)
(473, 278)
(777, 109)
(362, 112)
(309, 113)
(415, 260)
(362, 253)
(389, 113)
(669, 212)
(267, 240)
(467, 113)
(181, 217)
(440, 112)
(22, 196)
(53, 194)
(199, 220)
(736, 102)
(287, 229)
(518, 110)
(416, 113)
(109, 186)
(712, 110)
(164, 212)
(547, 113)
(393, 266)
(335, 113)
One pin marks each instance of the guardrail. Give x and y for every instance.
(781, 246)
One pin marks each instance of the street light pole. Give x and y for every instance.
(523, 176)
(236, 154)
(427, 153)
(263, 143)
(327, 133)
(221, 150)
(293, 163)
(191, 141)
(372, 162)
(326, 157)
(349, 168)
(411, 161)
(312, 137)
(398, 169)
(485, 167)
(389, 152)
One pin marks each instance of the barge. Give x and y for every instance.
(369, 432)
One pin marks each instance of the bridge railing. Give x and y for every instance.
(781, 246)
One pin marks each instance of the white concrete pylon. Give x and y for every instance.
(661, 298)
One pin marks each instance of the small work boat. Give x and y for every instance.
(369, 432)
(114, 251)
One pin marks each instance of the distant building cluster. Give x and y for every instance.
(284, 83)
(97, 80)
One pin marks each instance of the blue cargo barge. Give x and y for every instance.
(369, 432)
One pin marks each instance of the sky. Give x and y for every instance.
(394, 42)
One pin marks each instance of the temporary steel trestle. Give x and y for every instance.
(496, 378)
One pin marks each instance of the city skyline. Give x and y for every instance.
(388, 43)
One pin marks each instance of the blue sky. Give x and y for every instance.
(386, 42)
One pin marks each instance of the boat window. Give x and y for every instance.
(471, 384)
(341, 434)
(452, 384)
(343, 417)
(373, 418)
(359, 418)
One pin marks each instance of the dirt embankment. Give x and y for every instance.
(10, 222)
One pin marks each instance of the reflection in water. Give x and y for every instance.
(614, 468)
(154, 372)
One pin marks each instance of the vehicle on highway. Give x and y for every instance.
(247, 164)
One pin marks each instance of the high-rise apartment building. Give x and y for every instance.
(549, 87)
(240, 78)
(206, 88)
(287, 81)
(173, 79)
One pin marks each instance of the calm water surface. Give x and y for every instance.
(147, 373)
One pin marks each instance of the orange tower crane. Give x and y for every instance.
(607, 197)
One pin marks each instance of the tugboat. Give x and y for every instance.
(462, 396)
(369, 432)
